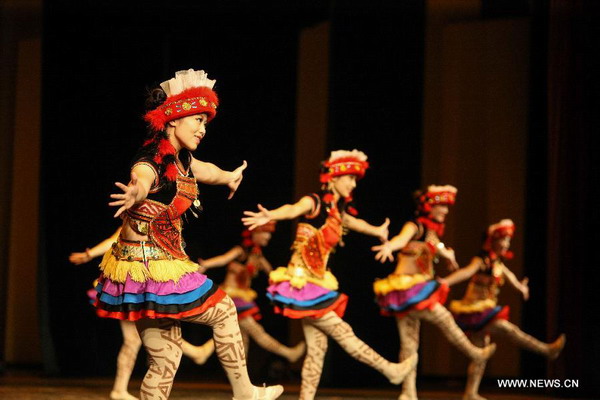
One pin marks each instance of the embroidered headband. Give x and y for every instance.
(437, 195)
(189, 92)
(344, 162)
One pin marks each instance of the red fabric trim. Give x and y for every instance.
(503, 314)
(339, 307)
(432, 225)
(334, 168)
(136, 315)
(253, 312)
(439, 296)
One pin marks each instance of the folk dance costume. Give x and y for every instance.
(411, 293)
(306, 289)
(243, 264)
(146, 276)
(478, 312)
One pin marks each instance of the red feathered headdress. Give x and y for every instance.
(436, 195)
(189, 93)
(499, 230)
(344, 162)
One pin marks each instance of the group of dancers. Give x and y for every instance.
(150, 285)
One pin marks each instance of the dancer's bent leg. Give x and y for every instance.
(332, 325)
(442, 318)
(528, 342)
(257, 332)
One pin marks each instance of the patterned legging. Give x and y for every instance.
(162, 341)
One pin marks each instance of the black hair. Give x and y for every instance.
(150, 148)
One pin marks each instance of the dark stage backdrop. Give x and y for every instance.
(98, 60)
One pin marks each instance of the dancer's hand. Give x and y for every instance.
(453, 265)
(382, 231)
(129, 196)
(442, 281)
(236, 179)
(384, 252)
(202, 268)
(525, 288)
(80, 258)
(256, 219)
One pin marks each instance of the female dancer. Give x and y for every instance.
(306, 289)
(146, 276)
(479, 313)
(411, 293)
(243, 264)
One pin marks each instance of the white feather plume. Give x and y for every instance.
(185, 80)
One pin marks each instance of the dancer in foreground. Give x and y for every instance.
(244, 262)
(412, 293)
(479, 314)
(306, 289)
(146, 276)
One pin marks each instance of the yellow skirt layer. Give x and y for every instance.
(394, 282)
(299, 277)
(244, 294)
(158, 270)
(462, 307)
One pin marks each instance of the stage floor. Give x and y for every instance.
(36, 388)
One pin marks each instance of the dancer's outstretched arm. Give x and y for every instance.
(362, 226)
(142, 178)
(96, 251)
(385, 251)
(222, 259)
(210, 174)
(464, 273)
(287, 211)
(522, 286)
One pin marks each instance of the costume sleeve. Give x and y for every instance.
(316, 206)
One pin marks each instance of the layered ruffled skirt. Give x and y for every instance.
(295, 293)
(474, 316)
(130, 289)
(243, 299)
(398, 295)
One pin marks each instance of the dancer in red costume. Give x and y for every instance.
(479, 314)
(411, 293)
(243, 264)
(146, 276)
(306, 289)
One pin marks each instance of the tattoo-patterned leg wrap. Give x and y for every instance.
(313, 362)
(162, 341)
(442, 318)
(476, 369)
(332, 325)
(409, 329)
(528, 342)
(229, 346)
